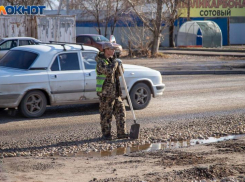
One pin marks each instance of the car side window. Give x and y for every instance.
(18, 59)
(55, 65)
(87, 40)
(66, 62)
(32, 42)
(24, 42)
(80, 39)
(8, 45)
(89, 60)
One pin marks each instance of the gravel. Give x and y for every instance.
(72, 141)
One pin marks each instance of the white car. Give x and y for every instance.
(32, 77)
(8, 43)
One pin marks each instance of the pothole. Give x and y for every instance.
(152, 147)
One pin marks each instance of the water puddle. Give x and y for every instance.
(154, 147)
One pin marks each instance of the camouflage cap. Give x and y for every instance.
(109, 45)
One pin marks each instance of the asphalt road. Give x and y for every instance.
(185, 97)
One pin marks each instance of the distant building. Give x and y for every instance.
(87, 25)
(228, 14)
(232, 27)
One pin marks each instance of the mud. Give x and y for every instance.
(209, 162)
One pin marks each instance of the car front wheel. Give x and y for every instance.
(33, 104)
(140, 96)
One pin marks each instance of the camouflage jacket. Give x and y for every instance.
(111, 87)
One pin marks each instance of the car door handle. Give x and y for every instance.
(87, 74)
(53, 76)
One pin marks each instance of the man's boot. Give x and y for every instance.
(107, 137)
(121, 136)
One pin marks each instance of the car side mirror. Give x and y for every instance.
(112, 39)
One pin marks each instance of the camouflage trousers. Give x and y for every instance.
(108, 107)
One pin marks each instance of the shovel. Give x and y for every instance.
(135, 128)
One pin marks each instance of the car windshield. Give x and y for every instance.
(18, 59)
(1, 40)
(100, 38)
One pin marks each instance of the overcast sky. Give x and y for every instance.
(55, 6)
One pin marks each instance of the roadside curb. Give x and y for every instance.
(207, 50)
(203, 53)
(200, 72)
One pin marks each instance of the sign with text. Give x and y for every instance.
(13, 10)
(213, 8)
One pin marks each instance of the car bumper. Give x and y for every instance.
(9, 100)
(158, 90)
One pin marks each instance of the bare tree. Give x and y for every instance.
(50, 3)
(103, 12)
(3, 2)
(174, 11)
(112, 13)
(136, 38)
(118, 7)
(107, 15)
(162, 11)
(92, 10)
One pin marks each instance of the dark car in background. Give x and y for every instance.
(97, 41)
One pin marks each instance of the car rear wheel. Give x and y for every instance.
(140, 96)
(33, 104)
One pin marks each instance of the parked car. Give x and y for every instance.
(8, 43)
(97, 41)
(32, 77)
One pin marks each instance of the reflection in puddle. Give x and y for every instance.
(154, 147)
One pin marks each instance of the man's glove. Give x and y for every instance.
(120, 65)
(119, 62)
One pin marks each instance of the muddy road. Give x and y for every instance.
(185, 97)
(197, 106)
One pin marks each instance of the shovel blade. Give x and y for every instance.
(134, 131)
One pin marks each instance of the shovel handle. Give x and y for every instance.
(126, 90)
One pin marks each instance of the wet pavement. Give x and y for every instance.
(153, 147)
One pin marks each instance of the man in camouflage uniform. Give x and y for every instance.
(109, 92)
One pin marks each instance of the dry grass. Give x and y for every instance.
(143, 53)
(162, 55)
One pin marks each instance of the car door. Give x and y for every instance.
(66, 78)
(88, 59)
(6, 46)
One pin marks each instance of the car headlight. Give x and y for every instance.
(157, 79)
(160, 77)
